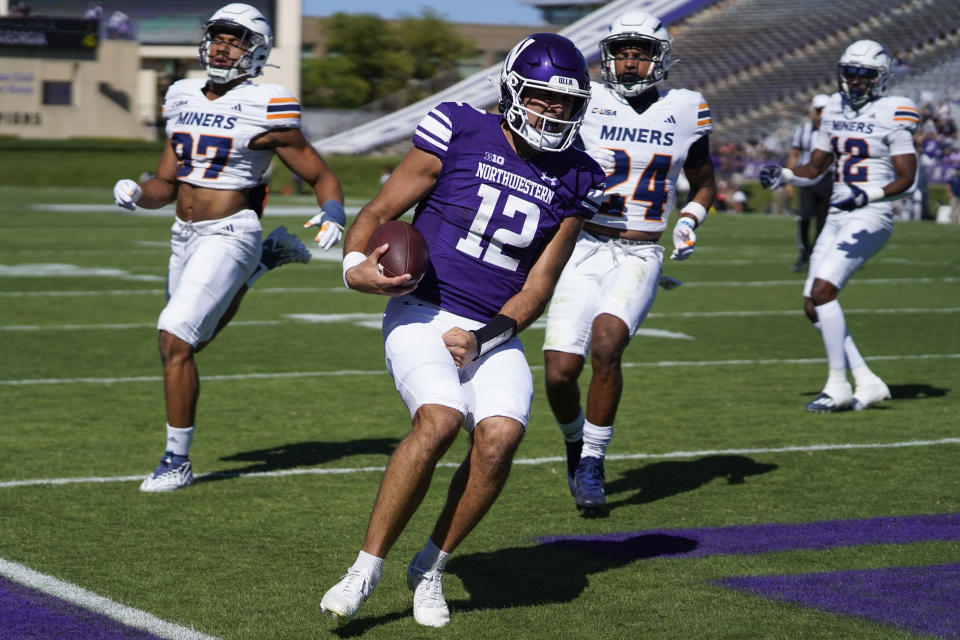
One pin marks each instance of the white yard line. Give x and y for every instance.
(380, 372)
(521, 461)
(282, 290)
(373, 319)
(93, 602)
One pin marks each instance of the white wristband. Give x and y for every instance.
(351, 260)
(787, 176)
(696, 210)
(874, 193)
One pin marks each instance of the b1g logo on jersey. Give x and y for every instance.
(494, 158)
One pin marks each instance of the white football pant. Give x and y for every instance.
(845, 244)
(497, 384)
(601, 277)
(209, 262)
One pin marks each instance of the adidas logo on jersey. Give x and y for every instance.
(236, 107)
(671, 120)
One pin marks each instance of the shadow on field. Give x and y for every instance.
(552, 572)
(916, 391)
(664, 479)
(300, 454)
(548, 573)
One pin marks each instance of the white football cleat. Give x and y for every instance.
(834, 397)
(174, 472)
(869, 393)
(343, 599)
(429, 607)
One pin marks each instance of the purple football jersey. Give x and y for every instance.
(492, 212)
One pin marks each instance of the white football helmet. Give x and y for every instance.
(255, 34)
(868, 61)
(648, 32)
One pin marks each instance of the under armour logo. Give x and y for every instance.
(671, 120)
(549, 179)
(236, 107)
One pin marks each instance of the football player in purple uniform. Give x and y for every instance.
(223, 132)
(500, 199)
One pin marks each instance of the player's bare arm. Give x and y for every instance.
(703, 186)
(905, 165)
(818, 164)
(411, 181)
(302, 158)
(162, 189)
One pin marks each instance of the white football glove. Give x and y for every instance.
(606, 158)
(330, 221)
(684, 239)
(126, 193)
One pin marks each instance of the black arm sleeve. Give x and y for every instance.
(699, 153)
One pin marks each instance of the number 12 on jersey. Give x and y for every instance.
(489, 197)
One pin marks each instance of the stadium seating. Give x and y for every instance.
(758, 63)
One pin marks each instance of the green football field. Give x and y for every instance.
(734, 513)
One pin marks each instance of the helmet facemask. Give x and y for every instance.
(545, 133)
(858, 84)
(249, 42)
(629, 84)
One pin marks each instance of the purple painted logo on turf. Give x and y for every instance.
(922, 600)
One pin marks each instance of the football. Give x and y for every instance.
(408, 252)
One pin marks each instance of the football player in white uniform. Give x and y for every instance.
(223, 131)
(642, 136)
(870, 138)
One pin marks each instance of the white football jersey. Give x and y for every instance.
(863, 142)
(650, 149)
(212, 137)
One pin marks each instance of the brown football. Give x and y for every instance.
(408, 252)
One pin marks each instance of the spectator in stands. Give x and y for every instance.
(93, 12)
(814, 199)
(119, 26)
(954, 184)
(20, 10)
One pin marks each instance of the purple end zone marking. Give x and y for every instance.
(28, 613)
(924, 600)
(764, 538)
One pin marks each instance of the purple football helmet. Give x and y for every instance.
(553, 63)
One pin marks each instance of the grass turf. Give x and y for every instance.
(244, 556)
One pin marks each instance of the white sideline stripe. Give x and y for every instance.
(373, 320)
(98, 604)
(153, 292)
(521, 461)
(794, 283)
(762, 283)
(381, 372)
